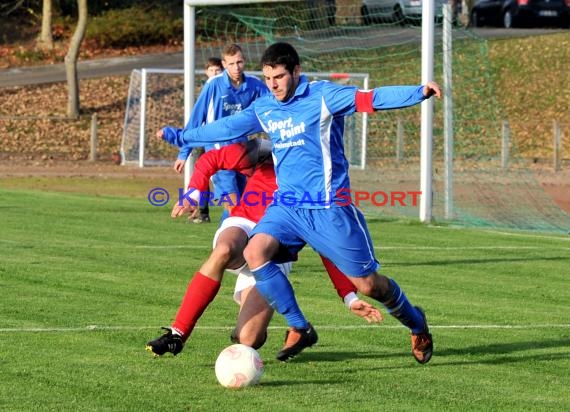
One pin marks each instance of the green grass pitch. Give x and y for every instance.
(86, 280)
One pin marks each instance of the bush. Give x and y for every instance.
(135, 27)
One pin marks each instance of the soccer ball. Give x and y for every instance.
(238, 366)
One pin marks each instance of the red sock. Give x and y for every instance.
(341, 283)
(200, 292)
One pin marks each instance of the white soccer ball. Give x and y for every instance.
(238, 366)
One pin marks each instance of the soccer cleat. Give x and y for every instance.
(168, 342)
(234, 336)
(296, 340)
(422, 343)
(202, 219)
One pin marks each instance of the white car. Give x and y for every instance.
(399, 11)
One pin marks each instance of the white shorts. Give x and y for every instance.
(245, 278)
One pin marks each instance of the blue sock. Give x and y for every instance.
(224, 215)
(400, 307)
(276, 289)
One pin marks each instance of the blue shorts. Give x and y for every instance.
(337, 233)
(228, 181)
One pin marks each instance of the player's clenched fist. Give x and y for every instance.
(432, 89)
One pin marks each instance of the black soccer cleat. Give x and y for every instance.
(422, 343)
(168, 342)
(296, 340)
(234, 336)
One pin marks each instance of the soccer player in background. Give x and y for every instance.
(253, 158)
(212, 68)
(305, 122)
(223, 95)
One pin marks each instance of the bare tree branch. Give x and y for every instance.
(11, 7)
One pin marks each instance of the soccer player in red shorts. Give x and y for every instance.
(253, 159)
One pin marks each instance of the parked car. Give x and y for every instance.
(513, 13)
(399, 11)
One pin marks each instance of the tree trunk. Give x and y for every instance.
(71, 61)
(45, 39)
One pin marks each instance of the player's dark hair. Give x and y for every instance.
(214, 61)
(281, 54)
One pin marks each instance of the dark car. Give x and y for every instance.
(513, 13)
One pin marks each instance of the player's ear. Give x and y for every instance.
(297, 71)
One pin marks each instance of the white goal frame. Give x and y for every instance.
(426, 149)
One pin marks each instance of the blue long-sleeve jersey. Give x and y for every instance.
(307, 136)
(219, 99)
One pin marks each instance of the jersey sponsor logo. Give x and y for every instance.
(232, 108)
(286, 128)
(287, 145)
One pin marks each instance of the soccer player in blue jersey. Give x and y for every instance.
(305, 122)
(223, 95)
(213, 67)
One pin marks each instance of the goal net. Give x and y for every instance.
(486, 192)
(156, 99)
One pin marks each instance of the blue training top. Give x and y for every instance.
(219, 98)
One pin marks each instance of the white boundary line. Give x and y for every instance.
(561, 237)
(549, 247)
(91, 328)
(416, 247)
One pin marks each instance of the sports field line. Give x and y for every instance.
(549, 247)
(90, 328)
(513, 234)
(533, 236)
(195, 246)
(169, 246)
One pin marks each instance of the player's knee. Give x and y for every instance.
(223, 252)
(260, 249)
(252, 256)
(374, 285)
(366, 289)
